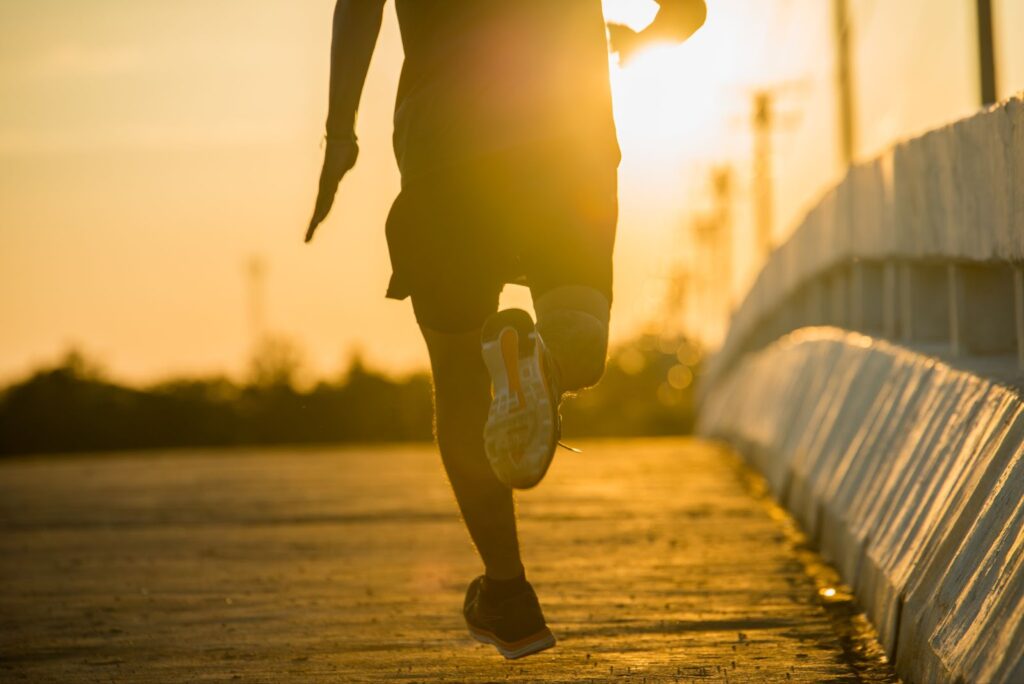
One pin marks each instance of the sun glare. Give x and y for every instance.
(666, 108)
(635, 14)
(669, 105)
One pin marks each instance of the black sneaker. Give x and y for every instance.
(514, 625)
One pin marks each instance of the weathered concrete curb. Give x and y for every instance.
(875, 253)
(909, 476)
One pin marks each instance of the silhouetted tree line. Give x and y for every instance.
(73, 406)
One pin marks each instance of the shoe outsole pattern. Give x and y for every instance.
(521, 433)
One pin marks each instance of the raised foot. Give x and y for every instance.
(523, 426)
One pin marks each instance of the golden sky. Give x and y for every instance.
(149, 149)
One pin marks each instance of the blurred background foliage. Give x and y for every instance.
(74, 405)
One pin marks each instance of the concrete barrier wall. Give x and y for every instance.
(913, 245)
(908, 475)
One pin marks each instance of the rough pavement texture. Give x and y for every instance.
(655, 560)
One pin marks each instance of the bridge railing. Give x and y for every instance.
(924, 244)
(905, 471)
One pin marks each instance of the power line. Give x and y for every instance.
(256, 274)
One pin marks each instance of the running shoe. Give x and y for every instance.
(523, 425)
(514, 625)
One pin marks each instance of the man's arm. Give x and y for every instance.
(356, 27)
(675, 22)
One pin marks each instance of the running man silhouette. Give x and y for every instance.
(508, 155)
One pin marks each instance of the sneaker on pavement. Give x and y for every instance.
(514, 625)
(523, 425)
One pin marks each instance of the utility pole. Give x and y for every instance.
(256, 273)
(703, 276)
(721, 184)
(676, 304)
(986, 53)
(844, 82)
(707, 285)
(763, 121)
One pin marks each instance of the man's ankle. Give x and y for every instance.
(504, 573)
(499, 589)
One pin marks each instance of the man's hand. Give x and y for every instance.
(675, 22)
(355, 28)
(624, 41)
(339, 157)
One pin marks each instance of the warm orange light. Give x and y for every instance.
(668, 102)
(635, 14)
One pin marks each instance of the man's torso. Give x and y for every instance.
(484, 75)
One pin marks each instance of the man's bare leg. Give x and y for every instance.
(573, 321)
(462, 396)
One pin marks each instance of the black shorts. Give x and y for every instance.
(541, 216)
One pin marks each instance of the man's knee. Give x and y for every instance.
(460, 382)
(585, 366)
(454, 358)
(574, 324)
(592, 366)
(580, 298)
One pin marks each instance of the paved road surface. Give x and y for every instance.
(655, 561)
